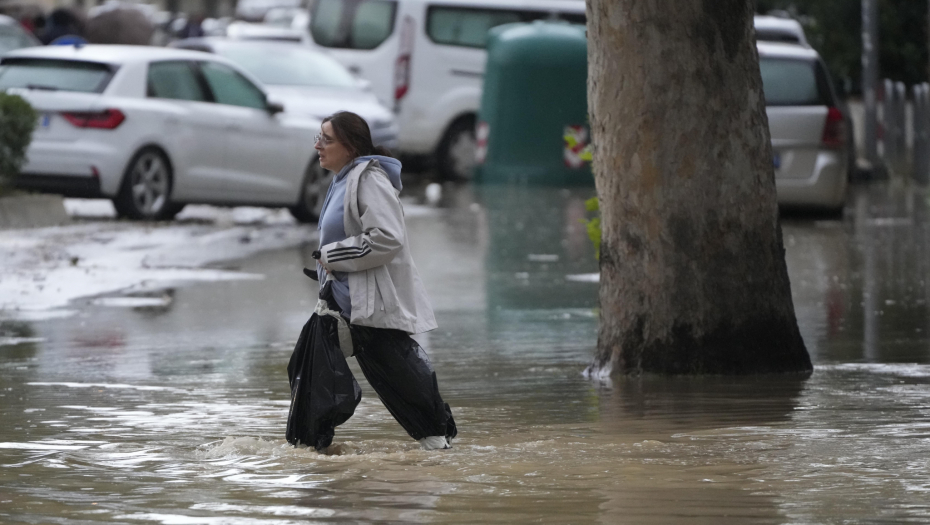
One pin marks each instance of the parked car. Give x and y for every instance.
(154, 129)
(255, 10)
(295, 18)
(778, 29)
(810, 141)
(13, 36)
(306, 81)
(250, 31)
(425, 59)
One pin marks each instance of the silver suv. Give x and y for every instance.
(810, 137)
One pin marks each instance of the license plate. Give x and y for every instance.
(45, 120)
(776, 160)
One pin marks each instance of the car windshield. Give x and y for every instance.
(352, 24)
(285, 66)
(794, 82)
(13, 38)
(54, 75)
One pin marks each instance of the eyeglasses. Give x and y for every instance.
(323, 139)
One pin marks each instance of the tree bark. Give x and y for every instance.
(693, 275)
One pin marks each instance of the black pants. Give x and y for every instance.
(400, 372)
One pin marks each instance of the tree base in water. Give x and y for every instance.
(763, 346)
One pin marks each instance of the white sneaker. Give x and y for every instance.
(434, 443)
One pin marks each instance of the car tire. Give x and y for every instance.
(312, 193)
(145, 194)
(455, 157)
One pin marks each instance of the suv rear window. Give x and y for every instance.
(774, 35)
(55, 75)
(468, 27)
(795, 82)
(352, 24)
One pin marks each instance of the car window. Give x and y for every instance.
(794, 82)
(325, 22)
(56, 75)
(372, 24)
(175, 80)
(468, 27)
(289, 66)
(352, 24)
(229, 87)
(465, 27)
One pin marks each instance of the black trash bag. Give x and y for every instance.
(324, 393)
(400, 372)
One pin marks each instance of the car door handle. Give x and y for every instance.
(173, 121)
(234, 127)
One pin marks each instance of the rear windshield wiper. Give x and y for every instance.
(41, 87)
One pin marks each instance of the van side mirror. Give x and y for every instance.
(274, 108)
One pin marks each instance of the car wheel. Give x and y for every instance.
(146, 190)
(456, 153)
(312, 193)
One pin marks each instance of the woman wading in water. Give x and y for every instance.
(364, 251)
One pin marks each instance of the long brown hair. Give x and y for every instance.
(352, 132)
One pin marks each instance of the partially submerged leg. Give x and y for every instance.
(400, 372)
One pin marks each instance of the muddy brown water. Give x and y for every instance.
(175, 414)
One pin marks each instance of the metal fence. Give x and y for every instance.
(893, 131)
(904, 129)
(920, 94)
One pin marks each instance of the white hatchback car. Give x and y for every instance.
(305, 80)
(154, 129)
(809, 131)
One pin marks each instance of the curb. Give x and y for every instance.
(32, 211)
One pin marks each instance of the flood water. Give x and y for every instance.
(175, 414)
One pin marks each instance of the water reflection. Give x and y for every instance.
(860, 286)
(537, 238)
(174, 413)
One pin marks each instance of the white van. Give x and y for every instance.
(425, 58)
(779, 29)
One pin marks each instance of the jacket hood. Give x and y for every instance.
(391, 166)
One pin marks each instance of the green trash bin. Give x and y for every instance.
(533, 121)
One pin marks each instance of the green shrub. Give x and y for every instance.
(17, 122)
(593, 225)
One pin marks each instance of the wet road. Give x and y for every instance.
(174, 414)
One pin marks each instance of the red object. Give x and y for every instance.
(106, 119)
(401, 77)
(402, 65)
(834, 131)
(572, 154)
(482, 131)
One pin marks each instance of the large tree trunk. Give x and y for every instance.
(693, 275)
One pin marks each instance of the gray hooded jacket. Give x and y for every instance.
(385, 287)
